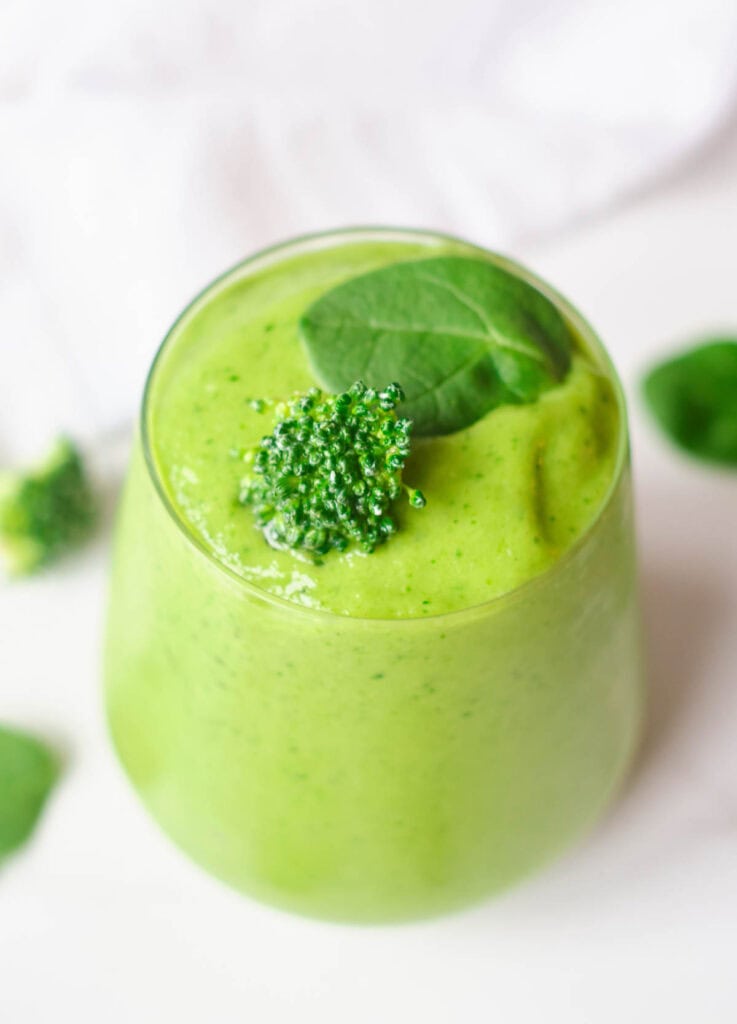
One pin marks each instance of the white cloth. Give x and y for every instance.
(145, 145)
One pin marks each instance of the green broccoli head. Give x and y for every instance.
(328, 475)
(45, 511)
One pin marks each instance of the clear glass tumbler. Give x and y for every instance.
(437, 761)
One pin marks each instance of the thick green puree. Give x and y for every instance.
(507, 496)
(380, 736)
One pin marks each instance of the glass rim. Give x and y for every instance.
(303, 243)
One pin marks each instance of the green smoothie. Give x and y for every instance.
(382, 735)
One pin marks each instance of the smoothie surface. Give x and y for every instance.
(506, 496)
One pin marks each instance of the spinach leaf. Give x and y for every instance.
(27, 772)
(460, 335)
(694, 399)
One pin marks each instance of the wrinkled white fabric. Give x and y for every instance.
(147, 144)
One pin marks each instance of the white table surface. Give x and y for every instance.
(102, 920)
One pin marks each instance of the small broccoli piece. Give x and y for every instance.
(45, 511)
(328, 475)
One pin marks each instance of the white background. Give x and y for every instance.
(101, 919)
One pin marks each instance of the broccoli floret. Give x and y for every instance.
(328, 475)
(45, 511)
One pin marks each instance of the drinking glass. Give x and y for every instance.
(366, 769)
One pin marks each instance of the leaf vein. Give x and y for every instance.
(380, 325)
(492, 334)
